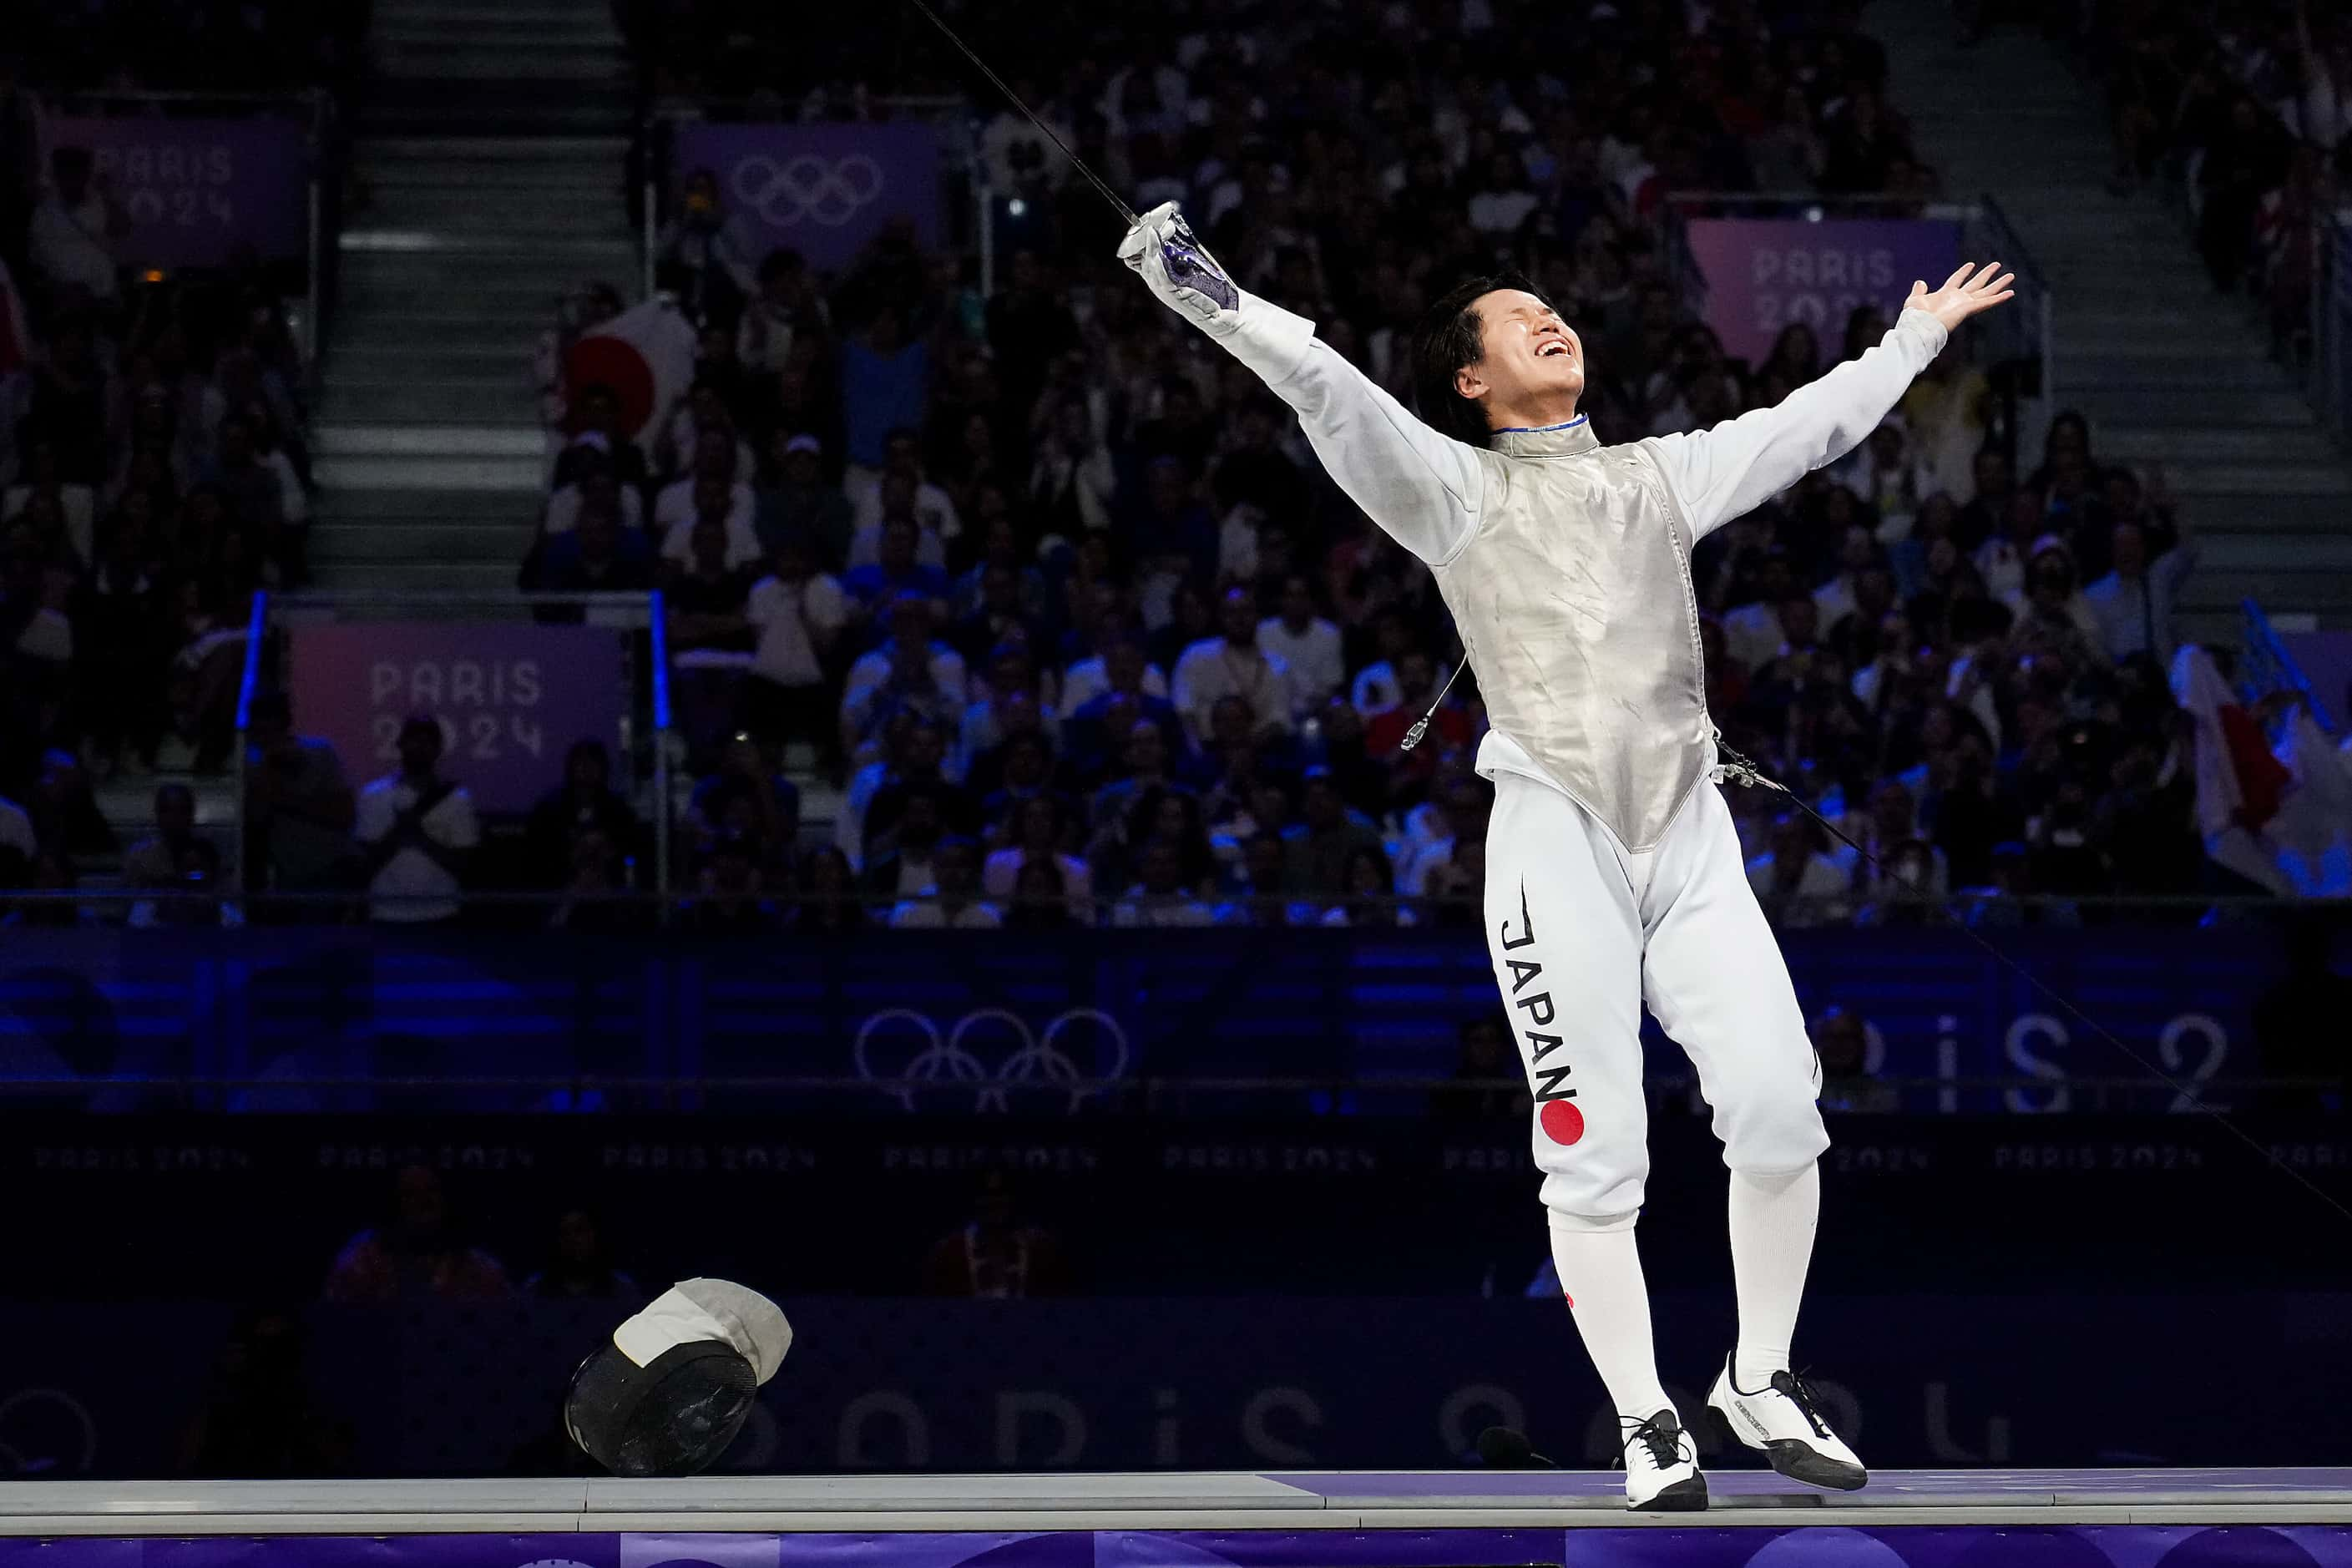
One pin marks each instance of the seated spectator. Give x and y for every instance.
(913, 621)
(710, 639)
(828, 901)
(895, 570)
(900, 490)
(1263, 898)
(1308, 646)
(1368, 893)
(1450, 729)
(797, 614)
(193, 897)
(794, 499)
(730, 891)
(595, 901)
(1842, 1041)
(419, 832)
(76, 227)
(1233, 665)
(1038, 832)
(716, 503)
(1318, 849)
(1040, 898)
(599, 556)
(902, 858)
(418, 1257)
(948, 903)
(995, 618)
(1071, 486)
(596, 486)
(997, 1256)
(154, 861)
(749, 801)
(1010, 698)
(299, 810)
(2133, 604)
(579, 1268)
(1160, 898)
(585, 801)
(1488, 1086)
(1797, 883)
(911, 684)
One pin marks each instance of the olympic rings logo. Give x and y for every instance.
(1040, 1061)
(807, 187)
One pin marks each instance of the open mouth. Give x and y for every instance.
(1553, 349)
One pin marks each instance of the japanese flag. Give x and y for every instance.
(645, 355)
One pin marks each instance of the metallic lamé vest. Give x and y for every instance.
(1573, 598)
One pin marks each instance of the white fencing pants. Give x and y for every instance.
(1583, 933)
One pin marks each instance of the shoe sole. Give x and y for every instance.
(1795, 1458)
(1685, 1496)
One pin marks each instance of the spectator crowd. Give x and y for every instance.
(1050, 602)
(1059, 601)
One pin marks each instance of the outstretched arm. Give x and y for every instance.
(1729, 470)
(1422, 488)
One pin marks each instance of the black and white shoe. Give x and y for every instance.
(1783, 1420)
(1662, 1464)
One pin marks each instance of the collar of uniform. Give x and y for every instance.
(1547, 440)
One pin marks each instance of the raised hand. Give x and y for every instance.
(1961, 295)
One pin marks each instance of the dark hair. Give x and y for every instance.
(1449, 338)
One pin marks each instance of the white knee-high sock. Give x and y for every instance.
(1772, 1223)
(1600, 1270)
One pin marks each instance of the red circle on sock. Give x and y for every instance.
(1562, 1122)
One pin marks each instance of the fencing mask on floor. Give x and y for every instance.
(675, 1385)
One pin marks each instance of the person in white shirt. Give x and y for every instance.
(74, 231)
(948, 903)
(911, 620)
(1796, 881)
(714, 458)
(1232, 665)
(2133, 604)
(715, 501)
(899, 496)
(1612, 871)
(902, 455)
(419, 831)
(1306, 643)
(1121, 667)
(797, 613)
(1159, 898)
(599, 488)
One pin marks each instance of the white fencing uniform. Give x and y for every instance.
(1613, 875)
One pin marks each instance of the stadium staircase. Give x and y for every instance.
(2167, 371)
(487, 178)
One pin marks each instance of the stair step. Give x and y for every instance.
(2288, 481)
(415, 65)
(502, 151)
(2187, 444)
(2264, 516)
(385, 505)
(418, 474)
(345, 439)
(584, 177)
(607, 250)
(2121, 405)
(473, 121)
(525, 270)
(517, 305)
(2184, 371)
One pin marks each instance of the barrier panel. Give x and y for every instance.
(314, 1017)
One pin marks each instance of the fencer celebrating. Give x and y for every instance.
(1613, 876)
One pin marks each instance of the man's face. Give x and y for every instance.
(1146, 750)
(897, 551)
(712, 498)
(1297, 604)
(1238, 617)
(956, 871)
(1526, 352)
(2129, 548)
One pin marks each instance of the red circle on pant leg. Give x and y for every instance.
(1562, 1122)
